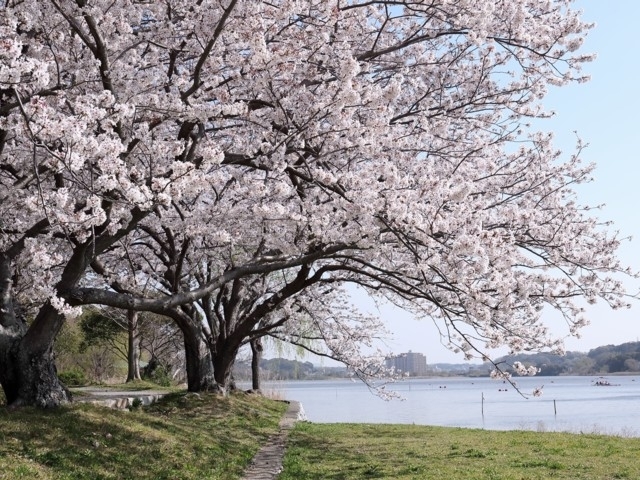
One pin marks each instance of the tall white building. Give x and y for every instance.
(411, 363)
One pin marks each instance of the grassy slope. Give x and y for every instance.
(401, 452)
(208, 437)
(181, 437)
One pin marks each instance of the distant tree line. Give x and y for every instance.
(601, 360)
(285, 369)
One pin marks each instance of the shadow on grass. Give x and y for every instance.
(180, 438)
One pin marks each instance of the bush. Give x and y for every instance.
(161, 376)
(157, 372)
(73, 377)
(135, 405)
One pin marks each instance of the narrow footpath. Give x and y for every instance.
(267, 464)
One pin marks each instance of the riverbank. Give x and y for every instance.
(189, 436)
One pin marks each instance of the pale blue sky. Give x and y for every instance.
(604, 112)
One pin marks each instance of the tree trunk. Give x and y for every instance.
(200, 377)
(133, 352)
(223, 367)
(256, 356)
(27, 369)
(29, 378)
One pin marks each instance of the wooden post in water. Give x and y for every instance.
(483, 405)
(555, 412)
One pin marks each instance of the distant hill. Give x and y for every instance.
(607, 359)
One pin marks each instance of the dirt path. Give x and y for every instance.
(267, 463)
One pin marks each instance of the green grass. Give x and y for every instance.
(402, 452)
(186, 436)
(182, 437)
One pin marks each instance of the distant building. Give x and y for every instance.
(411, 363)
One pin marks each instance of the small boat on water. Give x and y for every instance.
(603, 382)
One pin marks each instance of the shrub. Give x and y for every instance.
(74, 377)
(136, 404)
(157, 372)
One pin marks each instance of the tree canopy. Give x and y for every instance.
(379, 143)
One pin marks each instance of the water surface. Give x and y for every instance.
(567, 404)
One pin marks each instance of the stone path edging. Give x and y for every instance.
(267, 463)
(118, 399)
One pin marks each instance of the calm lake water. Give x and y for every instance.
(579, 405)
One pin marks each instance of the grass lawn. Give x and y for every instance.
(181, 437)
(401, 452)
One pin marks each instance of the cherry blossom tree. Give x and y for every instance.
(217, 325)
(299, 308)
(89, 151)
(383, 142)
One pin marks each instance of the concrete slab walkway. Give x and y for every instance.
(117, 399)
(267, 464)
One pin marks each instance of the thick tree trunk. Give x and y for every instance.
(223, 367)
(256, 356)
(200, 377)
(27, 369)
(30, 379)
(133, 353)
(199, 366)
